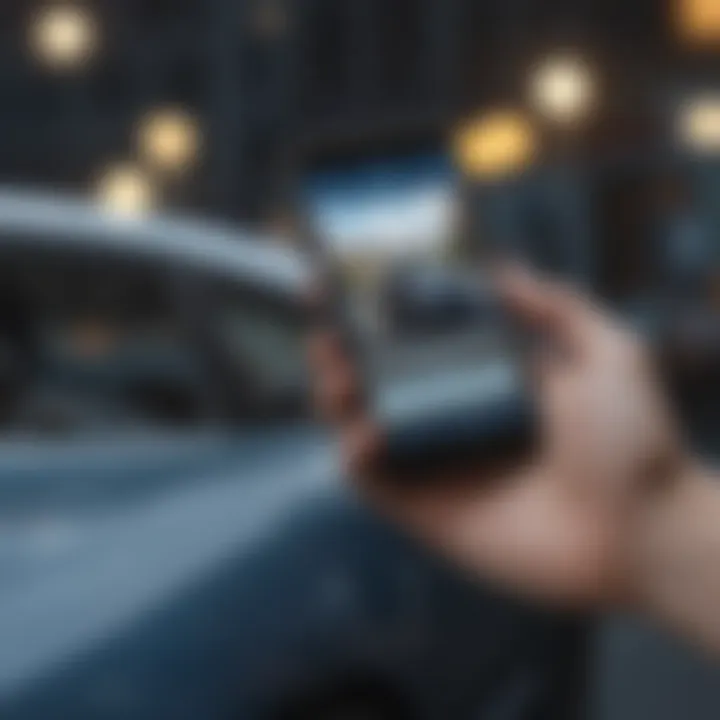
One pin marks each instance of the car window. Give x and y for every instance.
(92, 342)
(263, 334)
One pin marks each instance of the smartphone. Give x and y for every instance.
(443, 366)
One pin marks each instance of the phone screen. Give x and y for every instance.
(435, 344)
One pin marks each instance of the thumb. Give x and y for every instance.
(547, 307)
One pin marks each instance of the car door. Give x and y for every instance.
(121, 480)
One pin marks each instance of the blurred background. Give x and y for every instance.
(173, 541)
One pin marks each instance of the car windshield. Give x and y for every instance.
(264, 336)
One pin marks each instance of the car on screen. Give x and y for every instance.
(175, 537)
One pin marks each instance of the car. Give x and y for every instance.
(176, 540)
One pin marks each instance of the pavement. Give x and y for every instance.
(644, 674)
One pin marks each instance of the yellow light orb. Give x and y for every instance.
(699, 124)
(270, 19)
(125, 190)
(64, 37)
(169, 139)
(698, 21)
(563, 89)
(496, 145)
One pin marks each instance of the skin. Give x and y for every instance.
(611, 512)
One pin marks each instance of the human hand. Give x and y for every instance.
(559, 527)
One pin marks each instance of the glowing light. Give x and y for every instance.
(563, 89)
(169, 139)
(125, 190)
(699, 124)
(270, 19)
(498, 144)
(698, 21)
(64, 37)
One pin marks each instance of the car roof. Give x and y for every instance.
(35, 219)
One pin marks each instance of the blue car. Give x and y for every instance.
(176, 540)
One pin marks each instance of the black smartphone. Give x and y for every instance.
(443, 366)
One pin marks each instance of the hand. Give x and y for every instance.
(558, 528)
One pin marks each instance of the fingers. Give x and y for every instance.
(337, 388)
(535, 300)
(567, 317)
(325, 352)
(339, 399)
(361, 448)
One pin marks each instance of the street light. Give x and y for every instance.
(563, 89)
(269, 19)
(64, 37)
(698, 124)
(496, 145)
(698, 21)
(125, 190)
(169, 139)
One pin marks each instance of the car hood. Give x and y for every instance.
(123, 527)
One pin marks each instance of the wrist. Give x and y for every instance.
(667, 531)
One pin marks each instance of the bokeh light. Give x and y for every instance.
(126, 190)
(698, 124)
(563, 88)
(698, 21)
(496, 145)
(269, 19)
(64, 37)
(169, 139)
